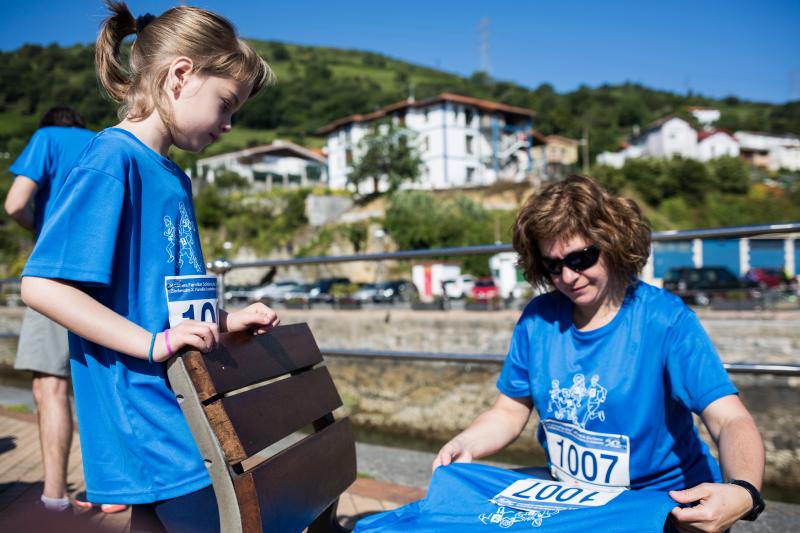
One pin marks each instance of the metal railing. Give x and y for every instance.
(222, 266)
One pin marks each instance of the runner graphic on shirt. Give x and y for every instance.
(568, 403)
(185, 235)
(597, 395)
(506, 518)
(169, 233)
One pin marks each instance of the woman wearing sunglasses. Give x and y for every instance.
(615, 368)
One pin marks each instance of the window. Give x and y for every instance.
(425, 114)
(313, 173)
(470, 144)
(468, 116)
(259, 176)
(295, 179)
(470, 174)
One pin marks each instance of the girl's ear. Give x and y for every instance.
(178, 74)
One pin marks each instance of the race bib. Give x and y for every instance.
(191, 298)
(538, 494)
(587, 457)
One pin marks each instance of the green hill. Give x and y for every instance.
(317, 85)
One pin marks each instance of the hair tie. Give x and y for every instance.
(143, 21)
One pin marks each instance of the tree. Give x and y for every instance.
(731, 174)
(388, 153)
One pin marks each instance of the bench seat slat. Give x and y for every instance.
(242, 359)
(248, 422)
(292, 488)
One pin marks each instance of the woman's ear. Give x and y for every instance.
(178, 74)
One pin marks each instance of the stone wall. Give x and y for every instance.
(433, 401)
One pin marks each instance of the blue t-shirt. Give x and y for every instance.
(47, 159)
(475, 498)
(616, 402)
(123, 221)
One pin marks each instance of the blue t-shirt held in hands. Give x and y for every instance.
(122, 222)
(475, 498)
(616, 403)
(47, 160)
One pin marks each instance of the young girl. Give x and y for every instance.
(125, 222)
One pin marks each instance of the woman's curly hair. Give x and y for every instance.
(579, 206)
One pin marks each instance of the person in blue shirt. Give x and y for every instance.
(123, 223)
(615, 369)
(40, 171)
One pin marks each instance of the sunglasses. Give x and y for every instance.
(577, 261)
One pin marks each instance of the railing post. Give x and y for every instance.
(220, 267)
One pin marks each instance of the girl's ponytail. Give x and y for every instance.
(113, 76)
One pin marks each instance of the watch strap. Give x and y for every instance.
(758, 500)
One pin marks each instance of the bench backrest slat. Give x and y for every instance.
(257, 418)
(241, 359)
(295, 486)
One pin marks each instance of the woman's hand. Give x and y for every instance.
(452, 452)
(201, 336)
(257, 317)
(718, 506)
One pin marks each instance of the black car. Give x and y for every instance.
(321, 290)
(395, 291)
(700, 285)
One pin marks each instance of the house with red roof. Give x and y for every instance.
(714, 143)
(462, 141)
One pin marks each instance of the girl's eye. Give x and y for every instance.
(226, 106)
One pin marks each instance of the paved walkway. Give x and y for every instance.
(21, 486)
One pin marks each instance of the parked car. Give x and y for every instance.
(321, 290)
(485, 289)
(700, 285)
(238, 293)
(397, 290)
(273, 292)
(301, 293)
(766, 278)
(459, 287)
(366, 292)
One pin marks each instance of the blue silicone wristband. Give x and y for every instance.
(150, 352)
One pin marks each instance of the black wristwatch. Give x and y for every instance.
(758, 501)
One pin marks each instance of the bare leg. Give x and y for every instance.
(51, 394)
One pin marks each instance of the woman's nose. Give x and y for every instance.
(568, 275)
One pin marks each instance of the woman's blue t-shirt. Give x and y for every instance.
(47, 160)
(122, 222)
(616, 403)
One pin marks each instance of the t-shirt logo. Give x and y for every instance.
(578, 403)
(184, 234)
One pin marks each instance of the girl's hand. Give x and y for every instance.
(257, 317)
(202, 336)
(453, 451)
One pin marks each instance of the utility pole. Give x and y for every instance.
(483, 29)
(585, 143)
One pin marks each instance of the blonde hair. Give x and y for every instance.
(206, 38)
(580, 207)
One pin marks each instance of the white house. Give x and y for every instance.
(715, 143)
(662, 139)
(770, 151)
(462, 141)
(706, 116)
(279, 164)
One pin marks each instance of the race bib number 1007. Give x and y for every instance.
(191, 298)
(587, 457)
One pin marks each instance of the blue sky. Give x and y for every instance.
(750, 49)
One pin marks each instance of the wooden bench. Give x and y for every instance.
(252, 392)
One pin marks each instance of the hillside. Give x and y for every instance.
(317, 85)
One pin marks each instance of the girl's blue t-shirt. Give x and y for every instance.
(616, 403)
(47, 160)
(122, 222)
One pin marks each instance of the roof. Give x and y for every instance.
(276, 148)
(562, 139)
(485, 105)
(708, 133)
